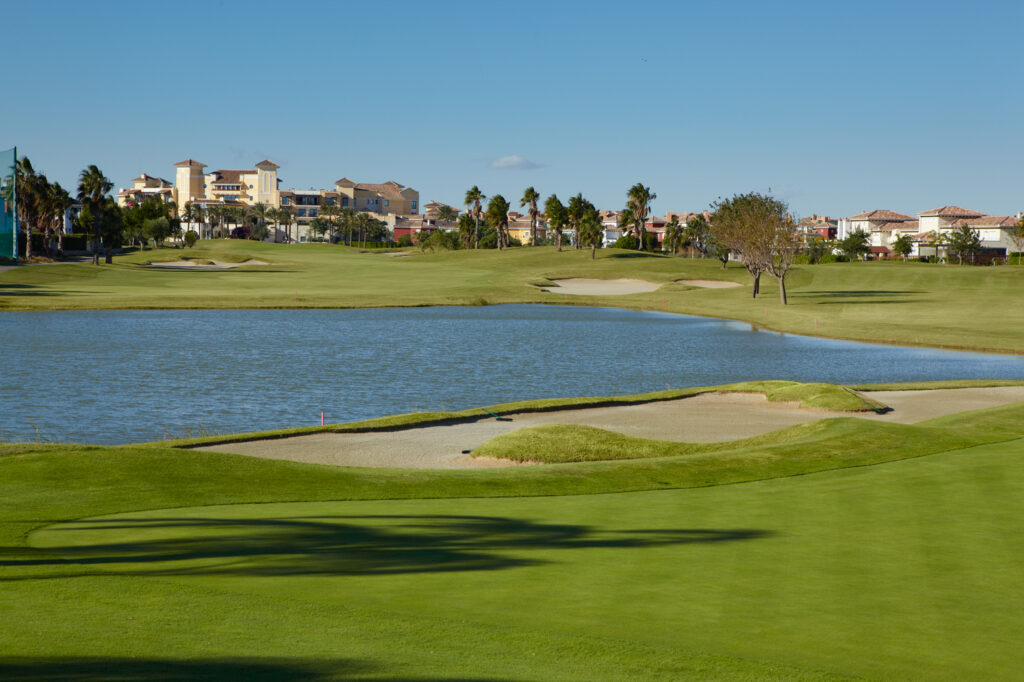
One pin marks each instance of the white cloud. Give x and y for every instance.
(513, 162)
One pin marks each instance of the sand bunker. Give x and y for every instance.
(703, 418)
(709, 283)
(211, 265)
(601, 287)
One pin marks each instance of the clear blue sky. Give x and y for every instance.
(837, 107)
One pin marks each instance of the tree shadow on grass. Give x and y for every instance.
(109, 669)
(325, 545)
(846, 297)
(635, 254)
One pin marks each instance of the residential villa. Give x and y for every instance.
(260, 184)
(884, 227)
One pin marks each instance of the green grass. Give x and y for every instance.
(892, 556)
(912, 304)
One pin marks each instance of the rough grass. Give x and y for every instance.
(912, 304)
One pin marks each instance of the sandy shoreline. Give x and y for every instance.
(703, 418)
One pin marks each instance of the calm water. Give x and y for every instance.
(129, 376)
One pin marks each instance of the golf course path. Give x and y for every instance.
(702, 418)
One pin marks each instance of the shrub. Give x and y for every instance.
(405, 240)
(191, 237)
(628, 241)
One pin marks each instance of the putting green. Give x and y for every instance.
(906, 569)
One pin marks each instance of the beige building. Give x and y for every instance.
(260, 184)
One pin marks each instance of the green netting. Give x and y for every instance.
(8, 195)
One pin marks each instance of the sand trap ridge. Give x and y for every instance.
(703, 418)
(212, 265)
(600, 287)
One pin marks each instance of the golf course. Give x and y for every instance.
(757, 530)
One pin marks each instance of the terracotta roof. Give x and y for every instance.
(266, 164)
(992, 221)
(345, 182)
(880, 249)
(230, 176)
(880, 215)
(391, 190)
(951, 212)
(190, 162)
(891, 225)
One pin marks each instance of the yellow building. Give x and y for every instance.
(260, 184)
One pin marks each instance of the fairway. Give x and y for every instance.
(862, 572)
(919, 304)
(838, 548)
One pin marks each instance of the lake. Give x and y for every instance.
(129, 376)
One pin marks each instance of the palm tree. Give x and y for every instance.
(260, 212)
(938, 240)
(349, 218)
(497, 216)
(27, 183)
(530, 197)
(93, 187)
(189, 214)
(555, 216)
(638, 204)
(473, 198)
(446, 215)
(674, 235)
(58, 202)
(590, 229)
(574, 211)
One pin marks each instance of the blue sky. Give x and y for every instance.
(836, 107)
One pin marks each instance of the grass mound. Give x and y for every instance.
(823, 444)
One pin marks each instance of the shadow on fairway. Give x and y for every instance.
(95, 669)
(326, 545)
(635, 254)
(27, 290)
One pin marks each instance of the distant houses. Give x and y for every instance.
(885, 226)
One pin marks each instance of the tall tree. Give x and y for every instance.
(28, 185)
(474, 197)
(497, 216)
(93, 188)
(530, 198)
(638, 204)
(556, 218)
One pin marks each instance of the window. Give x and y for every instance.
(250, 186)
(387, 203)
(412, 205)
(302, 213)
(312, 213)
(285, 201)
(344, 201)
(330, 201)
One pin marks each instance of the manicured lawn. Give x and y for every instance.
(917, 304)
(220, 565)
